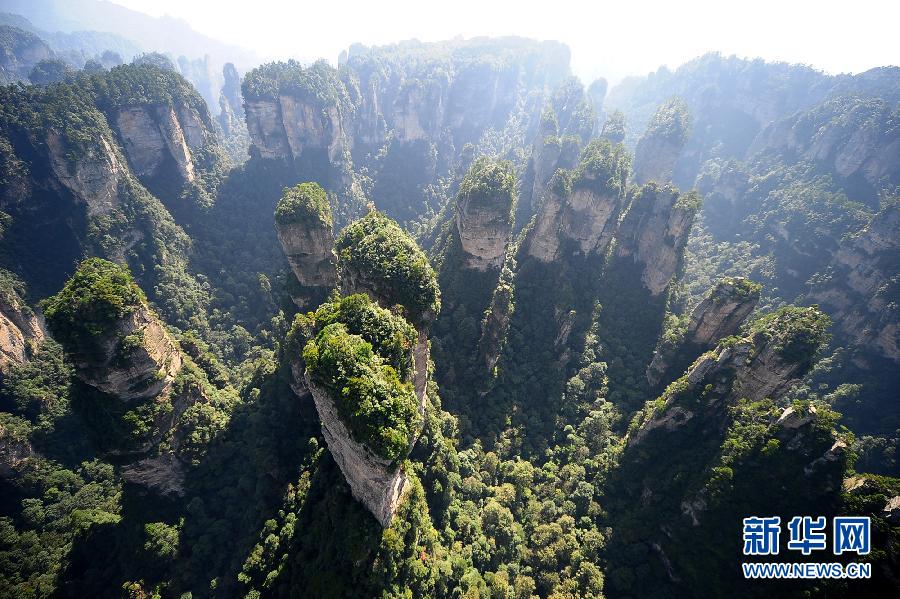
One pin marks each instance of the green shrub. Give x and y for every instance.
(98, 295)
(304, 203)
(385, 255)
(380, 410)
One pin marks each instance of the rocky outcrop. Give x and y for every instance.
(20, 50)
(163, 475)
(93, 177)
(136, 360)
(723, 311)
(15, 446)
(774, 354)
(375, 482)
(230, 101)
(654, 160)
(484, 214)
(285, 126)
(496, 322)
(579, 212)
(719, 315)
(303, 225)
(153, 135)
(310, 252)
(655, 231)
(861, 285)
(20, 331)
(659, 148)
(851, 136)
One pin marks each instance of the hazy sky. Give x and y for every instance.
(612, 39)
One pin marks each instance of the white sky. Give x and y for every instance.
(611, 39)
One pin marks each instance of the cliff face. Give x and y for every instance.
(655, 231)
(654, 159)
(659, 148)
(136, 360)
(153, 135)
(723, 311)
(19, 51)
(861, 290)
(719, 315)
(376, 479)
(93, 178)
(20, 329)
(286, 126)
(580, 218)
(310, 252)
(766, 362)
(851, 136)
(484, 214)
(375, 482)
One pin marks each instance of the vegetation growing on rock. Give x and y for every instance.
(377, 250)
(304, 203)
(95, 299)
(379, 408)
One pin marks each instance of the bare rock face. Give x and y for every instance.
(723, 311)
(659, 148)
(579, 217)
(163, 475)
(139, 361)
(93, 178)
(484, 214)
(375, 482)
(266, 129)
(310, 252)
(419, 111)
(23, 51)
(307, 125)
(719, 315)
(655, 231)
(851, 136)
(19, 327)
(862, 288)
(285, 126)
(15, 447)
(303, 225)
(152, 134)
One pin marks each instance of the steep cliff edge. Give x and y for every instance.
(164, 127)
(853, 137)
(363, 364)
(860, 287)
(117, 344)
(484, 207)
(719, 315)
(304, 227)
(19, 51)
(659, 148)
(773, 354)
(580, 211)
(654, 232)
(21, 329)
(366, 371)
(292, 111)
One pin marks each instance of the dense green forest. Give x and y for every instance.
(442, 321)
